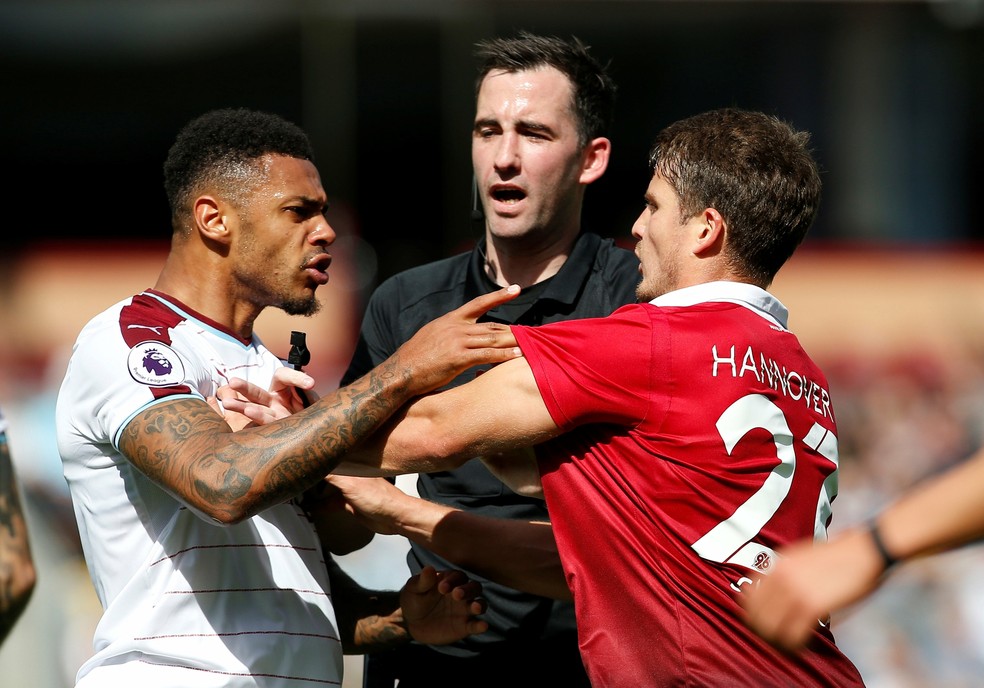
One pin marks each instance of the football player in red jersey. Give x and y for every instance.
(679, 442)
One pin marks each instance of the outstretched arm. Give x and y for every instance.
(189, 450)
(811, 581)
(520, 554)
(498, 412)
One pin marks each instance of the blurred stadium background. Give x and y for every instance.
(888, 292)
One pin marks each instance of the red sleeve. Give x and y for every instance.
(594, 370)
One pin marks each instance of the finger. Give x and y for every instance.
(285, 376)
(450, 580)
(476, 626)
(225, 393)
(494, 335)
(426, 579)
(249, 391)
(258, 414)
(493, 355)
(479, 305)
(478, 606)
(467, 591)
(235, 404)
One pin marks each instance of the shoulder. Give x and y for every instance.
(105, 324)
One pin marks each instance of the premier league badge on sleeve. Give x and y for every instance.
(155, 364)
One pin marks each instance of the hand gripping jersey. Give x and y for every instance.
(186, 602)
(700, 437)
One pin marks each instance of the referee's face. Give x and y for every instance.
(529, 162)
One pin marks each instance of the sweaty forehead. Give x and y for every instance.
(543, 93)
(293, 178)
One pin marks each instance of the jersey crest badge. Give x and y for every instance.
(155, 364)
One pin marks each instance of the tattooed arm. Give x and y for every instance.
(17, 572)
(188, 449)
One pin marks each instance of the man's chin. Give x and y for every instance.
(306, 307)
(646, 293)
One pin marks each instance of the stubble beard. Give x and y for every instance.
(306, 306)
(275, 291)
(655, 285)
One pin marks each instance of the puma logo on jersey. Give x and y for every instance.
(156, 330)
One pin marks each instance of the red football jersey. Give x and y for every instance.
(699, 437)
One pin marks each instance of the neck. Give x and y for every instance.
(524, 261)
(211, 297)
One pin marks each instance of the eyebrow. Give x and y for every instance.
(522, 125)
(308, 203)
(534, 126)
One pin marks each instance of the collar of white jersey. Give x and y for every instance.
(750, 296)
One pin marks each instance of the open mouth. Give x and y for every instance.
(507, 195)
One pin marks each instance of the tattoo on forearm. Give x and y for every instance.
(379, 632)
(185, 446)
(368, 619)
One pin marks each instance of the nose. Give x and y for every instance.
(323, 233)
(507, 152)
(640, 224)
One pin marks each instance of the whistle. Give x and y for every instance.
(298, 357)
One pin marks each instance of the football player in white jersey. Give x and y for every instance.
(209, 567)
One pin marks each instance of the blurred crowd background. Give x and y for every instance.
(887, 292)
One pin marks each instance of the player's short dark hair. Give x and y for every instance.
(222, 146)
(593, 90)
(754, 169)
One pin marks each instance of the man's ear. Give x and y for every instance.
(711, 232)
(210, 220)
(595, 159)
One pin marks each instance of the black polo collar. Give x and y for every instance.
(564, 287)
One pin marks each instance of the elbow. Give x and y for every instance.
(226, 518)
(215, 515)
(224, 509)
(228, 513)
(445, 442)
(442, 452)
(424, 450)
